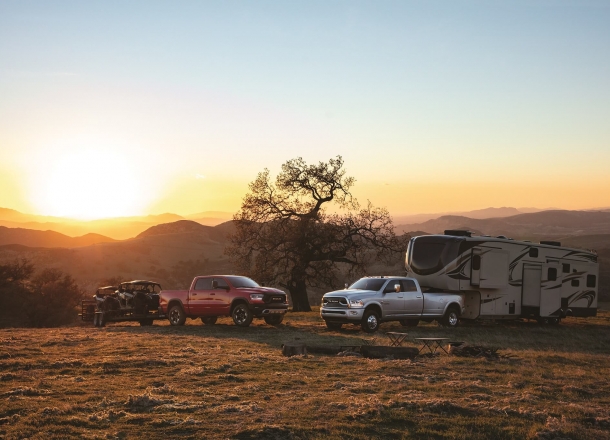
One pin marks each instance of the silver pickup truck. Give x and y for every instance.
(373, 300)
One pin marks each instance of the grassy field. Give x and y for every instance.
(196, 381)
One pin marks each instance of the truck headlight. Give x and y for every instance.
(257, 296)
(356, 303)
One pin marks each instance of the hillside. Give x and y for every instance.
(171, 254)
(48, 239)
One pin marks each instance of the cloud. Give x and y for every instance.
(199, 176)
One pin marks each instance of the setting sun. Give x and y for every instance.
(91, 183)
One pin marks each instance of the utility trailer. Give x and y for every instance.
(130, 301)
(502, 278)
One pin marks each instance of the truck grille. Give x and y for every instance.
(334, 302)
(275, 299)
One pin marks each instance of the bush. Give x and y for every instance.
(45, 299)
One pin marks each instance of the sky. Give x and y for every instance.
(114, 108)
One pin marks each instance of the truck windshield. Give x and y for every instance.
(429, 254)
(239, 282)
(368, 284)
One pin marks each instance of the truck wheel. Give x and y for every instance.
(334, 325)
(370, 321)
(209, 320)
(242, 316)
(95, 320)
(101, 319)
(451, 318)
(274, 319)
(409, 322)
(176, 315)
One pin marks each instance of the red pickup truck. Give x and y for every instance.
(224, 295)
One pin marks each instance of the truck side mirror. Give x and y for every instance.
(214, 284)
(397, 287)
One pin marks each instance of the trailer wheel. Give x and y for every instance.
(370, 321)
(409, 322)
(242, 315)
(176, 315)
(209, 320)
(451, 318)
(274, 319)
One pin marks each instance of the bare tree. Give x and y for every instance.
(285, 236)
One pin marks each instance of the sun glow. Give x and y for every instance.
(92, 183)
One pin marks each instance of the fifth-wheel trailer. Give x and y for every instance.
(502, 278)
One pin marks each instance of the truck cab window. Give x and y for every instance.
(408, 286)
(203, 284)
(222, 284)
(390, 286)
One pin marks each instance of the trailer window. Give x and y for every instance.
(534, 252)
(566, 268)
(591, 280)
(429, 254)
(552, 274)
(575, 283)
(476, 262)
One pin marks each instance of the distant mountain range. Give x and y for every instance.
(48, 239)
(539, 225)
(476, 214)
(118, 228)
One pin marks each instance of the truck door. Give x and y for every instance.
(414, 299)
(199, 297)
(393, 301)
(550, 292)
(530, 294)
(222, 297)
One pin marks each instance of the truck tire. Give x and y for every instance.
(209, 320)
(370, 321)
(333, 325)
(176, 315)
(409, 322)
(451, 318)
(242, 316)
(274, 319)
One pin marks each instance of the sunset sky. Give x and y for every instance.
(124, 108)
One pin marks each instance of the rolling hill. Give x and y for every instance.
(535, 226)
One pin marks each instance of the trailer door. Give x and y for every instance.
(532, 277)
(550, 293)
(494, 269)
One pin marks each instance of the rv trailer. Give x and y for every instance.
(502, 278)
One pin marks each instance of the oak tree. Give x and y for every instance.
(286, 233)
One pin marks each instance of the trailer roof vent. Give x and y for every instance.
(458, 233)
(550, 243)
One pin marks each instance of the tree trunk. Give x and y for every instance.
(298, 293)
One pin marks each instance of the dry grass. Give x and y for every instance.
(126, 381)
